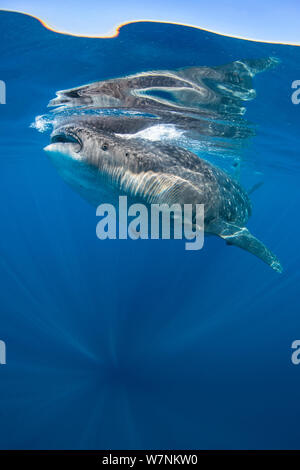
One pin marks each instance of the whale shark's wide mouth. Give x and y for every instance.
(66, 138)
(64, 142)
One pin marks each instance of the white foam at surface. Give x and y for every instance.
(156, 133)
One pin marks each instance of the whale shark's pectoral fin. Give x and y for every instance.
(255, 187)
(241, 237)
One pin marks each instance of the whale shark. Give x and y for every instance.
(99, 148)
(101, 166)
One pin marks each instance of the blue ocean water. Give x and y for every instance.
(136, 344)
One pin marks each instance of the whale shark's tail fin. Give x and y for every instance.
(241, 237)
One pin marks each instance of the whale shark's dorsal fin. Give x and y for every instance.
(241, 237)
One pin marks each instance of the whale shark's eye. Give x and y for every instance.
(104, 147)
(126, 154)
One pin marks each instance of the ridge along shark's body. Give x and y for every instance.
(101, 166)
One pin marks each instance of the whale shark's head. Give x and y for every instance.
(83, 143)
(86, 157)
